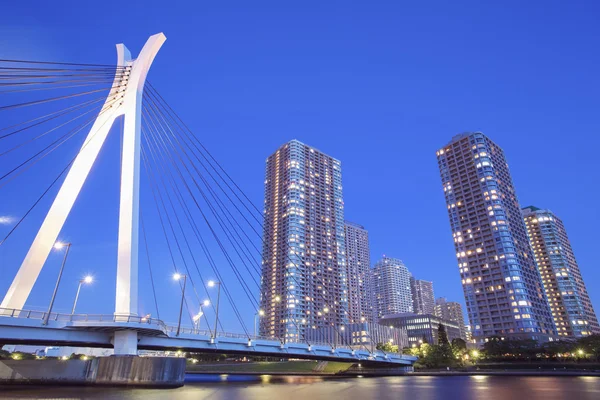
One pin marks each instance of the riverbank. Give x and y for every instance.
(507, 373)
(308, 368)
(325, 369)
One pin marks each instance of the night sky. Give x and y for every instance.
(378, 85)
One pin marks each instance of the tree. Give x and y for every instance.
(387, 347)
(590, 345)
(18, 355)
(459, 348)
(442, 335)
(495, 347)
(459, 344)
(444, 350)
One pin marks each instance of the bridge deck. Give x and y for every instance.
(26, 327)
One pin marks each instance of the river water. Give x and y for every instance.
(267, 387)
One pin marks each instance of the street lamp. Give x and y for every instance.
(177, 277)
(57, 246)
(212, 284)
(260, 313)
(87, 280)
(197, 317)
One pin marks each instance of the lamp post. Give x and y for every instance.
(198, 316)
(57, 246)
(260, 313)
(212, 284)
(88, 279)
(178, 277)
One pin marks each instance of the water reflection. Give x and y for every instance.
(200, 386)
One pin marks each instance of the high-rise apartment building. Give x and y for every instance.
(391, 287)
(422, 296)
(304, 284)
(358, 259)
(502, 286)
(570, 304)
(451, 311)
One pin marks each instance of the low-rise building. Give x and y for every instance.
(359, 335)
(421, 328)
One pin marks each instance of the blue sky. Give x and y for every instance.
(379, 85)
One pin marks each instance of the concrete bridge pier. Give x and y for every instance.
(133, 371)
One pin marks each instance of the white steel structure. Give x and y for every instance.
(125, 99)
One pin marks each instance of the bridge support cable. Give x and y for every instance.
(160, 173)
(226, 290)
(41, 154)
(52, 99)
(51, 116)
(216, 236)
(169, 148)
(144, 237)
(155, 194)
(54, 181)
(213, 210)
(198, 236)
(183, 206)
(188, 137)
(45, 133)
(145, 153)
(220, 204)
(225, 212)
(219, 217)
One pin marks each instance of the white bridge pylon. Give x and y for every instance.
(125, 99)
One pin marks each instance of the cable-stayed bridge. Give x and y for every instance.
(178, 209)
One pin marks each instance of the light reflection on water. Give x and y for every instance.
(200, 386)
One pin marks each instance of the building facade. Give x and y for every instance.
(303, 284)
(391, 287)
(502, 286)
(451, 311)
(570, 303)
(422, 296)
(421, 328)
(362, 335)
(358, 259)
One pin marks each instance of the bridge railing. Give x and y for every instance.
(113, 318)
(167, 329)
(204, 332)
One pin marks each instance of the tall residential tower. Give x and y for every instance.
(570, 304)
(304, 282)
(451, 311)
(502, 286)
(391, 287)
(422, 296)
(359, 265)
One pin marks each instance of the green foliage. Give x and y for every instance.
(4, 355)
(442, 335)
(590, 345)
(459, 344)
(583, 349)
(387, 347)
(17, 355)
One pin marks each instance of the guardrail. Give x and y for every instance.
(167, 329)
(193, 331)
(114, 318)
